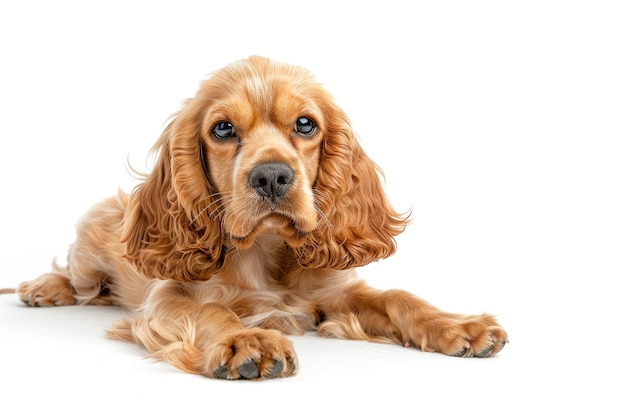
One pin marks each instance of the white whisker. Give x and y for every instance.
(216, 206)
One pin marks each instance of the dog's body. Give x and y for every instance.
(259, 208)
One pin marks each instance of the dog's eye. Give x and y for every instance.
(305, 126)
(224, 130)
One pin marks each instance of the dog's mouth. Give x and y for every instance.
(289, 212)
(292, 231)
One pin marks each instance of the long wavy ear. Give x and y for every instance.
(167, 230)
(359, 224)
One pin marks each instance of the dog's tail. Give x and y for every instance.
(7, 290)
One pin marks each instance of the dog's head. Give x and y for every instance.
(261, 148)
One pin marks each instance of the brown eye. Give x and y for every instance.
(305, 126)
(224, 130)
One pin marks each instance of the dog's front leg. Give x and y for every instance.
(366, 313)
(205, 339)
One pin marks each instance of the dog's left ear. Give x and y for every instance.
(359, 224)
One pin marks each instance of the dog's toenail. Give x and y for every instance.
(292, 365)
(485, 353)
(277, 368)
(249, 369)
(221, 372)
(460, 353)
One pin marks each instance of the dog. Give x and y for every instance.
(249, 227)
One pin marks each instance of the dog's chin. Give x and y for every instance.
(274, 224)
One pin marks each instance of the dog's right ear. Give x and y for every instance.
(169, 230)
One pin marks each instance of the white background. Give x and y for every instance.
(500, 124)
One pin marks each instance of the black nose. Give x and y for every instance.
(271, 180)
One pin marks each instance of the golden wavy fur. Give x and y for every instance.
(260, 206)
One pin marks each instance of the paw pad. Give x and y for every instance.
(250, 370)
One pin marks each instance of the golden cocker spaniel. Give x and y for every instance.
(250, 225)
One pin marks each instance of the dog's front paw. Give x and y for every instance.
(466, 336)
(253, 354)
(46, 291)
